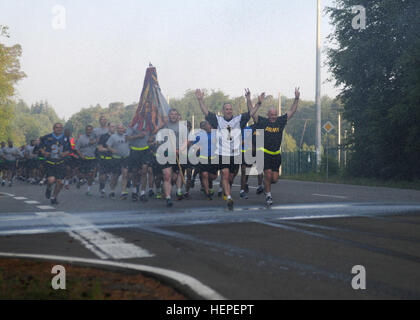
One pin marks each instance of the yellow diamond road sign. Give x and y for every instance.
(328, 126)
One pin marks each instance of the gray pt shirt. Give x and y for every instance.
(118, 143)
(139, 142)
(10, 154)
(85, 147)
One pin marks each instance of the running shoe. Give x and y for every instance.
(134, 197)
(243, 194)
(211, 192)
(169, 203)
(143, 197)
(112, 195)
(260, 190)
(54, 201)
(124, 196)
(102, 194)
(151, 193)
(268, 201)
(179, 196)
(158, 195)
(48, 193)
(230, 204)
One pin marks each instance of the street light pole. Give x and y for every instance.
(339, 139)
(318, 87)
(280, 111)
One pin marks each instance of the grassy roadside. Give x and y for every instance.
(317, 177)
(22, 279)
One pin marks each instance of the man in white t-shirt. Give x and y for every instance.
(229, 138)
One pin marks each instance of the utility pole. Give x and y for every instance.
(280, 170)
(339, 139)
(318, 87)
(300, 145)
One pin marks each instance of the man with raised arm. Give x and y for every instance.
(273, 127)
(229, 141)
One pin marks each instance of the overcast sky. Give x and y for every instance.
(103, 52)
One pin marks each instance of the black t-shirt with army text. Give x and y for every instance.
(273, 131)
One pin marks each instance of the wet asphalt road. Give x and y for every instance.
(304, 247)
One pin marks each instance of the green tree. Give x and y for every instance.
(10, 74)
(378, 71)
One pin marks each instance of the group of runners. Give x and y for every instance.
(132, 155)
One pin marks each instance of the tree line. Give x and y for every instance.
(376, 68)
(378, 71)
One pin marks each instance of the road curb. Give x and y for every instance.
(187, 285)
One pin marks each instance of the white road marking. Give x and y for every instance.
(45, 207)
(325, 216)
(193, 284)
(8, 194)
(329, 196)
(20, 198)
(87, 245)
(101, 243)
(32, 202)
(311, 206)
(206, 215)
(17, 218)
(23, 232)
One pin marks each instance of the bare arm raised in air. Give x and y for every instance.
(295, 104)
(253, 110)
(200, 95)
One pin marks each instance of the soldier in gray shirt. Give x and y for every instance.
(30, 161)
(86, 147)
(10, 153)
(171, 171)
(120, 149)
(28, 153)
(103, 129)
(139, 160)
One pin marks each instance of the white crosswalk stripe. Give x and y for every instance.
(101, 243)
